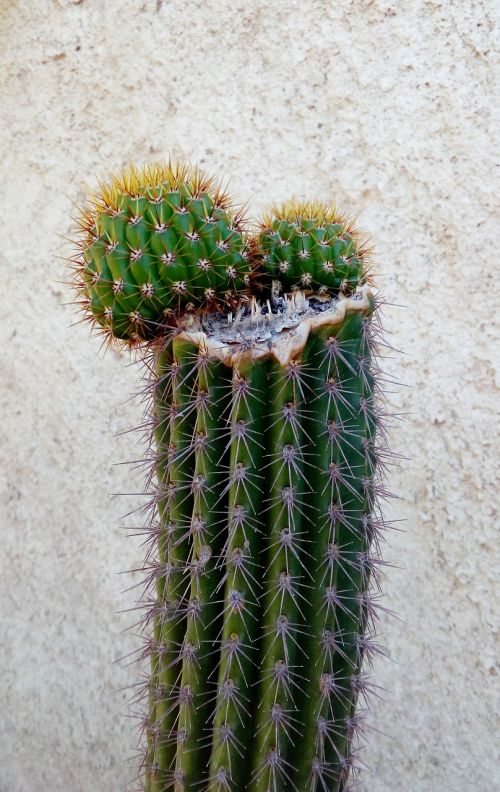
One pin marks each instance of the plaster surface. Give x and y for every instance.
(388, 107)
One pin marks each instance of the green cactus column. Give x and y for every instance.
(266, 435)
(281, 597)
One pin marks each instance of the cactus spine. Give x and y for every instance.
(264, 567)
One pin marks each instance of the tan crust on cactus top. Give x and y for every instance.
(260, 332)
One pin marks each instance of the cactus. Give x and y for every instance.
(157, 240)
(309, 246)
(264, 563)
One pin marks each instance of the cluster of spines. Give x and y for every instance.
(267, 565)
(153, 243)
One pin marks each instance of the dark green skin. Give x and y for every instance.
(304, 255)
(331, 476)
(157, 253)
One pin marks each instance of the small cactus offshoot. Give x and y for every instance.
(157, 240)
(310, 246)
(263, 568)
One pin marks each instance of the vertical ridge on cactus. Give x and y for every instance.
(263, 592)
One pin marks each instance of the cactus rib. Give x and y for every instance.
(241, 560)
(175, 504)
(198, 658)
(279, 676)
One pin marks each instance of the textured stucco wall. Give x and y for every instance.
(388, 107)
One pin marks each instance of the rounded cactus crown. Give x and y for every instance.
(165, 239)
(309, 245)
(155, 241)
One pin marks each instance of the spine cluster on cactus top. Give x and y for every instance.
(263, 573)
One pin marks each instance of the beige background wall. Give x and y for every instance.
(387, 106)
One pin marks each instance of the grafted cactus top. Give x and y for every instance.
(159, 241)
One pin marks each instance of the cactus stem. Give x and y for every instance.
(267, 429)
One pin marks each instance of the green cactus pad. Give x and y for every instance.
(309, 246)
(157, 241)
